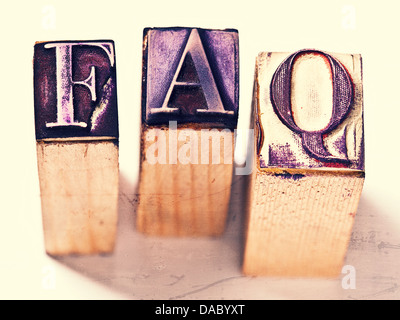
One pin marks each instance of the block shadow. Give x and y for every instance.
(143, 267)
(140, 264)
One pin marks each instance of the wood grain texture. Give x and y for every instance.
(185, 199)
(79, 194)
(300, 226)
(304, 196)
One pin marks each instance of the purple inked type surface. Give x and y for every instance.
(311, 115)
(342, 98)
(190, 75)
(75, 89)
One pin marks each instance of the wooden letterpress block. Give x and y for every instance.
(76, 125)
(189, 112)
(309, 163)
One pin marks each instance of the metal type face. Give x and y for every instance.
(310, 110)
(190, 75)
(75, 89)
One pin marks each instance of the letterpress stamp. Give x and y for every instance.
(190, 97)
(309, 162)
(76, 123)
(75, 89)
(190, 76)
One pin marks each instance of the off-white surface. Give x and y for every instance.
(152, 268)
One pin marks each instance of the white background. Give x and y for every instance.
(152, 268)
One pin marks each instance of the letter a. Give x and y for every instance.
(206, 79)
(349, 280)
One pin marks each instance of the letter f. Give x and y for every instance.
(65, 83)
